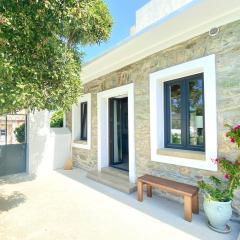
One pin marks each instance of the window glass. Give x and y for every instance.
(175, 113)
(83, 135)
(196, 112)
(184, 113)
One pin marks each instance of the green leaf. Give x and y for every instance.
(39, 59)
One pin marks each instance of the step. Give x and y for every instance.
(116, 173)
(114, 178)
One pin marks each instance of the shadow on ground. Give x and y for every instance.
(8, 202)
(169, 212)
(16, 178)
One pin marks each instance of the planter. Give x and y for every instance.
(218, 214)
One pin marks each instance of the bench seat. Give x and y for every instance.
(188, 192)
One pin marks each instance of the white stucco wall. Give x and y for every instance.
(48, 149)
(155, 10)
(60, 138)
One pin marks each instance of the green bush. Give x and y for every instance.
(57, 119)
(222, 189)
(20, 133)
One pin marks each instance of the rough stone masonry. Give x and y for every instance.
(226, 47)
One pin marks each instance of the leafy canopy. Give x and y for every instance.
(39, 59)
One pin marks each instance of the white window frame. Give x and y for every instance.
(76, 123)
(205, 65)
(64, 120)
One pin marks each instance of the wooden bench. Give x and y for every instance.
(189, 193)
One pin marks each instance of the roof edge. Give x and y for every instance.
(185, 23)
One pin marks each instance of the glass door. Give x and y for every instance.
(118, 129)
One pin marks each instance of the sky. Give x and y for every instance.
(123, 13)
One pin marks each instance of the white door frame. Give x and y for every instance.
(103, 127)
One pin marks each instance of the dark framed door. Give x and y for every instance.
(118, 133)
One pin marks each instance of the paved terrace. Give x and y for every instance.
(65, 205)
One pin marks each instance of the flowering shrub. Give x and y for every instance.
(234, 134)
(222, 189)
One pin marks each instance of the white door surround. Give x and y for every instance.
(103, 125)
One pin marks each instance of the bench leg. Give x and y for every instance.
(149, 190)
(188, 208)
(140, 191)
(195, 204)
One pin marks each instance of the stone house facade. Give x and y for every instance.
(220, 54)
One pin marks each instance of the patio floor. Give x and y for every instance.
(67, 205)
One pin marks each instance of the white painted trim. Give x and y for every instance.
(64, 120)
(103, 134)
(204, 65)
(178, 27)
(76, 116)
(156, 10)
(28, 168)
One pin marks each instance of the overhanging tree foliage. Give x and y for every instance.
(39, 59)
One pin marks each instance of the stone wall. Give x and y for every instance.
(226, 47)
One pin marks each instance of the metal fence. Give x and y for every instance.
(13, 143)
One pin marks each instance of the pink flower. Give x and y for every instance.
(226, 176)
(232, 140)
(237, 127)
(215, 161)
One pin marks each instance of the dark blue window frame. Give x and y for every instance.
(83, 125)
(185, 128)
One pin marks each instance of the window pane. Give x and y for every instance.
(3, 131)
(16, 132)
(175, 114)
(196, 113)
(83, 121)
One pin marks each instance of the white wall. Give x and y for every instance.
(48, 149)
(155, 10)
(61, 141)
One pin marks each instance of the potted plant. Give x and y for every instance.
(218, 193)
